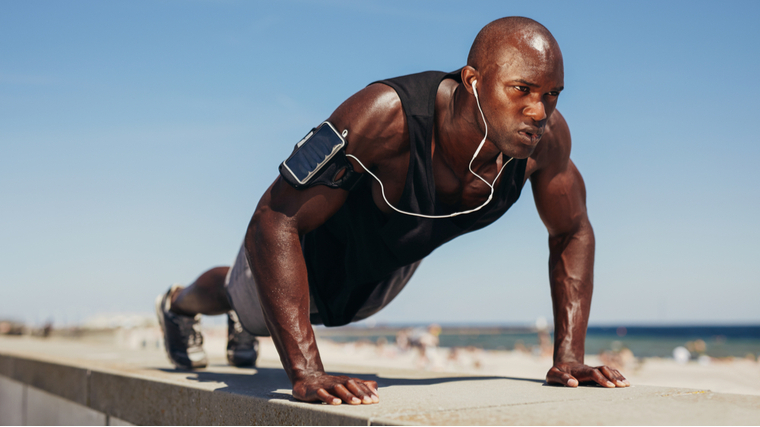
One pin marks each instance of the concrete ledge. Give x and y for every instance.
(68, 382)
(105, 385)
(133, 398)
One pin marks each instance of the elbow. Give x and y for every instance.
(585, 230)
(268, 231)
(579, 229)
(256, 226)
(578, 241)
(259, 229)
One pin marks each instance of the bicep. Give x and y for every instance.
(560, 197)
(374, 118)
(300, 210)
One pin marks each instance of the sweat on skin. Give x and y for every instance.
(516, 66)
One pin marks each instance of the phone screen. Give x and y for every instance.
(314, 152)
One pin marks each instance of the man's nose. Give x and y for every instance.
(536, 110)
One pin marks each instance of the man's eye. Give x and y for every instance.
(522, 88)
(554, 93)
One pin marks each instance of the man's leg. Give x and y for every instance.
(205, 296)
(179, 314)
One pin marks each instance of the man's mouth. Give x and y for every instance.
(531, 136)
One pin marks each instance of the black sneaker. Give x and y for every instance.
(182, 335)
(242, 347)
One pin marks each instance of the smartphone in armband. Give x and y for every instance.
(311, 154)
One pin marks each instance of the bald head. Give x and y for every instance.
(518, 69)
(507, 36)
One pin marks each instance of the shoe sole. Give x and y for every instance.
(160, 314)
(241, 362)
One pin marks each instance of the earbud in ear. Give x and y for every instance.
(475, 91)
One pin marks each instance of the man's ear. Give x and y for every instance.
(469, 75)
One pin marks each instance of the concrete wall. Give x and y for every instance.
(45, 382)
(21, 404)
(36, 392)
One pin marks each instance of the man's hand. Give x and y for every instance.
(334, 390)
(570, 374)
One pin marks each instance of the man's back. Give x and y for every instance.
(360, 247)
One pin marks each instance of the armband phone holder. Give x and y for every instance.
(318, 159)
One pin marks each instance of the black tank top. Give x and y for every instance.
(359, 246)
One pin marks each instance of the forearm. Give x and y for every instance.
(571, 272)
(279, 269)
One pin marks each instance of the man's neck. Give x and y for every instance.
(459, 129)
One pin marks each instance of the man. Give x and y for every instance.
(447, 154)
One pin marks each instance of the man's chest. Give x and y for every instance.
(464, 190)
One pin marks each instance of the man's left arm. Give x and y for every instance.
(560, 196)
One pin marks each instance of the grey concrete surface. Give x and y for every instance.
(141, 387)
(12, 397)
(46, 409)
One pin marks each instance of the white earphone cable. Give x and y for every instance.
(490, 196)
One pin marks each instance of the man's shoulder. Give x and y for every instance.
(558, 133)
(376, 116)
(417, 91)
(375, 120)
(415, 78)
(554, 148)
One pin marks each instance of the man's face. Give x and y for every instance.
(518, 93)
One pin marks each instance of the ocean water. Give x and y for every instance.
(643, 341)
(659, 341)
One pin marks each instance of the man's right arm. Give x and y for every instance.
(274, 252)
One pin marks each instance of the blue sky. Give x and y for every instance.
(136, 138)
